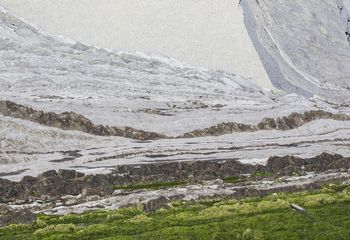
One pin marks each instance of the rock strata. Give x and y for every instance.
(284, 123)
(69, 182)
(72, 121)
(288, 165)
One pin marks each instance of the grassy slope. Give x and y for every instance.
(328, 217)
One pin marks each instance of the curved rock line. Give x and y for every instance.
(284, 123)
(72, 121)
(77, 122)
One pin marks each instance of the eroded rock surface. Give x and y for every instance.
(10, 216)
(284, 123)
(63, 102)
(72, 121)
(69, 182)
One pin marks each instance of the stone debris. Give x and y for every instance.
(297, 208)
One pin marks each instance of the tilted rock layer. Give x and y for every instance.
(64, 104)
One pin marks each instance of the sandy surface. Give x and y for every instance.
(204, 33)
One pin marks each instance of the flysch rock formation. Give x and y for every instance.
(72, 192)
(78, 113)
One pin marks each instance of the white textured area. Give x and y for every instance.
(303, 45)
(347, 4)
(204, 33)
(122, 89)
(136, 90)
(32, 149)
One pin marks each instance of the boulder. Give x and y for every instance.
(9, 216)
(155, 204)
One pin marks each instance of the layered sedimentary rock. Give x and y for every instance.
(72, 121)
(284, 123)
(54, 184)
(77, 119)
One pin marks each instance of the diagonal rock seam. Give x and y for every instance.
(289, 122)
(74, 121)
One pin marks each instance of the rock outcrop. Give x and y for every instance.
(288, 165)
(72, 121)
(11, 216)
(284, 123)
(69, 182)
(155, 204)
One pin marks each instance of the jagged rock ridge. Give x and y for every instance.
(68, 182)
(73, 121)
(284, 123)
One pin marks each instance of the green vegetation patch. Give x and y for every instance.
(156, 185)
(326, 218)
(245, 178)
(235, 179)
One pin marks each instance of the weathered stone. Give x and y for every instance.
(9, 216)
(289, 164)
(72, 121)
(71, 201)
(86, 192)
(155, 204)
(291, 121)
(54, 184)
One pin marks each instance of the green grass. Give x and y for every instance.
(235, 179)
(267, 218)
(245, 178)
(156, 185)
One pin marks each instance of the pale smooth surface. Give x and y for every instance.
(205, 33)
